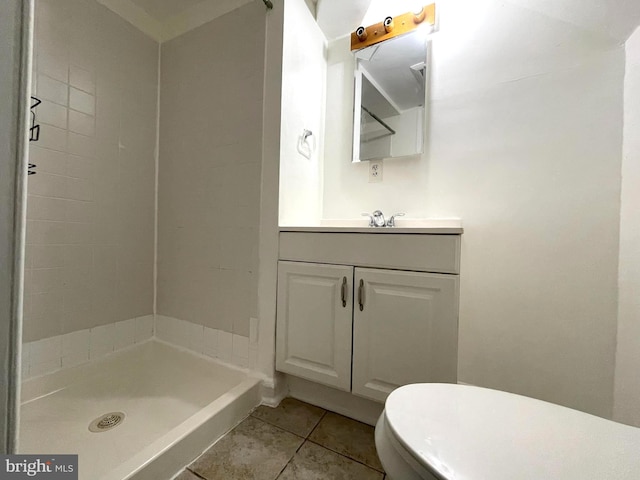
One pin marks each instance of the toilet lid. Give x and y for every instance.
(461, 432)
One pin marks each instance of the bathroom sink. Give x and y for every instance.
(450, 226)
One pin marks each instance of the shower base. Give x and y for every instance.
(175, 405)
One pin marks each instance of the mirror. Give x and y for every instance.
(389, 104)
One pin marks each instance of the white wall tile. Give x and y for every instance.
(75, 348)
(81, 123)
(253, 355)
(163, 327)
(76, 343)
(175, 331)
(79, 190)
(82, 79)
(196, 338)
(82, 101)
(52, 90)
(144, 328)
(69, 361)
(47, 207)
(46, 233)
(225, 346)
(210, 347)
(81, 145)
(172, 330)
(253, 330)
(52, 114)
(43, 280)
(180, 333)
(79, 211)
(240, 346)
(46, 350)
(46, 185)
(240, 361)
(80, 167)
(37, 369)
(56, 67)
(125, 333)
(53, 138)
(228, 347)
(102, 340)
(47, 256)
(48, 161)
(98, 351)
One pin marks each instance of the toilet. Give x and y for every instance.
(460, 432)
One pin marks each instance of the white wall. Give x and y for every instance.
(303, 87)
(523, 144)
(627, 391)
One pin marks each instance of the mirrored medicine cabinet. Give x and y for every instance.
(390, 97)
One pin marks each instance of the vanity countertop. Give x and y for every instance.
(404, 226)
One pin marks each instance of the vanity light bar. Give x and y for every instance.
(392, 27)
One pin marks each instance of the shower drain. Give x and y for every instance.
(106, 422)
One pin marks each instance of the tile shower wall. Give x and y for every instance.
(209, 172)
(227, 347)
(51, 354)
(90, 219)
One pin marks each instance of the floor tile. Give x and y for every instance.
(187, 475)
(254, 450)
(291, 415)
(347, 437)
(313, 462)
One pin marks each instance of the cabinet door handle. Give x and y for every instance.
(361, 295)
(344, 291)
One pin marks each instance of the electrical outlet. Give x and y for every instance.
(375, 172)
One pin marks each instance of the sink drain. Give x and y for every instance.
(106, 422)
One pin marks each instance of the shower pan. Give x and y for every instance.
(160, 408)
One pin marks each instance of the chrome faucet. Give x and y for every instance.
(376, 219)
(371, 222)
(392, 219)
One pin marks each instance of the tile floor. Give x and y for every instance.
(295, 441)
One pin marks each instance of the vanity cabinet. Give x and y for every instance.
(363, 329)
(315, 305)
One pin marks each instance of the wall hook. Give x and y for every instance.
(306, 147)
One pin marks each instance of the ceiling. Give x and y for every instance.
(167, 19)
(162, 10)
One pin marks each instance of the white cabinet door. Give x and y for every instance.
(314, 322)
(406, 332)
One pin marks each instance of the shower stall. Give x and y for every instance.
(141, 235)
